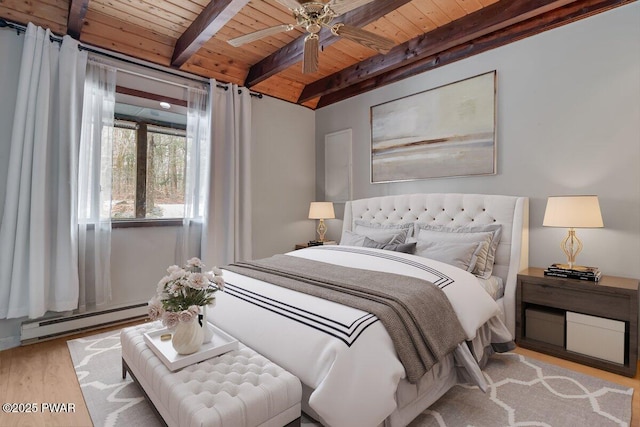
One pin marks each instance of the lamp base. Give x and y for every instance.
(322, 229)
(571, 246)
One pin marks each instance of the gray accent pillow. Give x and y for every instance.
(381, 232)
(489, 235)
(459, 254)
(407, 248)
(354, 239)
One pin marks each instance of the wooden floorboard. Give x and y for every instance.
(43, 372)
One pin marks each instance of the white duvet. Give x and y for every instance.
(344, 354)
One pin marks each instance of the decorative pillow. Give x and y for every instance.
(489, 235)
(494, 286)
(381, 232)
(459, 254)
(407, 248)
(354, 239)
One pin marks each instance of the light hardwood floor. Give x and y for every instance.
(43, 372)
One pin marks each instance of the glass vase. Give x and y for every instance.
(207, 331)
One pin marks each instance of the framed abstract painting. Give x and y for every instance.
(443, 132)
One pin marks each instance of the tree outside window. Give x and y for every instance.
(148, 170)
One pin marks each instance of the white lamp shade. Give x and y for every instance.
(573, 212)
(321, 210)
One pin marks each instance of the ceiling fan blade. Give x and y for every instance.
(344, 6)
(310, 58)
(364, 37)
(247, 38)
(290, 4)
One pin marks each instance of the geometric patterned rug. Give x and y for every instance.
(522, 392)
(527, 392)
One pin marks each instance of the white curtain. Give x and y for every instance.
(94, 189)
(196, 174)
(38, 248)
(227, 224)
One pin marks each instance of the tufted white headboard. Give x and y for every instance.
(452, 209)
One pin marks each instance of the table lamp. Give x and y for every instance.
(321, 211)
(572, 212)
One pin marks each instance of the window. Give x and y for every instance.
(149, 156)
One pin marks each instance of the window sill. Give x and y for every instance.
(132, 223)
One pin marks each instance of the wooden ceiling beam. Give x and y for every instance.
(492, 18)
(213, 17)
(75, 21)
(570, 13)
(148, 95)
(292, 52)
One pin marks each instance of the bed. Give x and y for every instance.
(344, 356)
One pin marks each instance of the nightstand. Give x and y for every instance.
(306, 245)
(612, 299)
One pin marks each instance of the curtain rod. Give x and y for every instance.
(54, 38)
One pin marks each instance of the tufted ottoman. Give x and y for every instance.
(239, 388)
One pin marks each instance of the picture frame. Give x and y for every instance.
(447, 131)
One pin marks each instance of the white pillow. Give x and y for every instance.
(350, 238)
(489, 235)
(459, 254)
(383, 232)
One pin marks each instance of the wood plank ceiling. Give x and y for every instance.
(192, 35)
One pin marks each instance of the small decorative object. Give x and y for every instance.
(180, 296)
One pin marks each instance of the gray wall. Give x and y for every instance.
(283, 180)
(568, 105)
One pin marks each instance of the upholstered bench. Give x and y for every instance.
(239, 388)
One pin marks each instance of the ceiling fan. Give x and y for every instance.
(313, 16)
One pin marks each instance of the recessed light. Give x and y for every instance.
(165, 105)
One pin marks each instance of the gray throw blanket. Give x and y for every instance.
(416, 314)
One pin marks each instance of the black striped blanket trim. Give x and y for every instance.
(347, 333)
(442, 282)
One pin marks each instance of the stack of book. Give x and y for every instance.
(318, 243)
(591, 274)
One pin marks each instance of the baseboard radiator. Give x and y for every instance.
(33, 332)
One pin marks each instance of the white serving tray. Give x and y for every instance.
(219, 344)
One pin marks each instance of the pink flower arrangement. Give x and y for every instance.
(182, 292)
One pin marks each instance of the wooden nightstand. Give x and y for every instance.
(306, 245)
(612, 297)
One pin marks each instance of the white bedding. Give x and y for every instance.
(344, 354)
